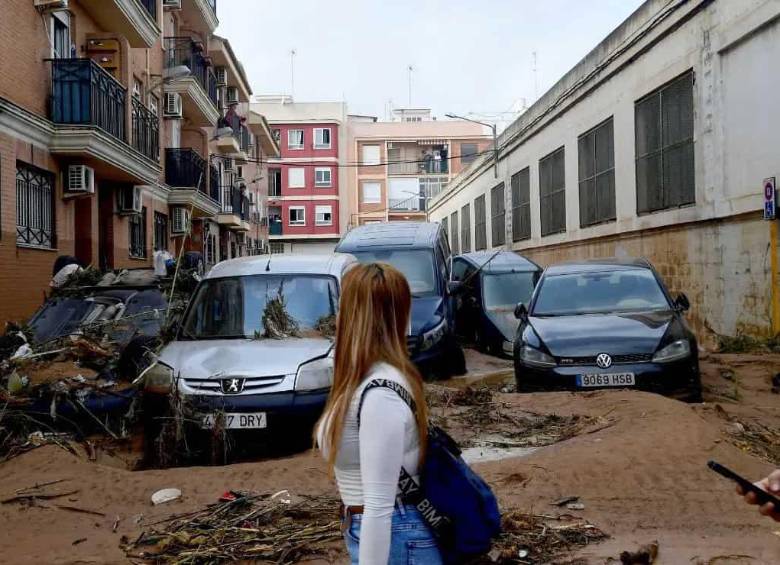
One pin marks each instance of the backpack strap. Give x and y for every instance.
(396, 387)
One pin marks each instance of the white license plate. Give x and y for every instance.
(606, 379)
(239, 421)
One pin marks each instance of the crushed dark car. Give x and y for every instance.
(491, 285)
(607, 323)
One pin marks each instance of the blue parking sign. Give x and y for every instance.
(770, 199)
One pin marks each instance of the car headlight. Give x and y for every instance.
(158, 378)
(315, 375)
(535, 358)
(675, 351)
(434, 336)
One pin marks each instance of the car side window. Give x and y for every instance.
(459, 268)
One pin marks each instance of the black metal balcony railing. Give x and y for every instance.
(146, 131)
(245, 139)
(214, 182)
(85, 94)
(184, 51)
(184, 168)
(275, 228)
(434, 166)
(151, 7)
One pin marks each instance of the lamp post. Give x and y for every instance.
(495, 142)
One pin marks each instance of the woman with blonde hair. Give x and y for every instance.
(368, 434)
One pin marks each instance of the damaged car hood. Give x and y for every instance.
(201, 359)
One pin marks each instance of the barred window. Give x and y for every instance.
(34, 206)
(521, 205)
(137, 223)
(552, 192)
(596, 153)
(160, 231)
(480, 229)
(665, 175)
(497, 216)
(454, 234)
(465, 228)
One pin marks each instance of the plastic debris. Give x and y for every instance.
(165, 495)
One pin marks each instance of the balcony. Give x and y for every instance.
(199, 88)
(89, 109)
(275, 228)
(427, 167)
(135, 19)
(199, 16)
(402, 205)
(186, 174)
(234, 210)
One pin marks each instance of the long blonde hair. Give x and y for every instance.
(371, 326)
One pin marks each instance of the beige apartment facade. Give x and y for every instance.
(660, 144)
(398, 166)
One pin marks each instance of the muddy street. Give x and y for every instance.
(628, 464)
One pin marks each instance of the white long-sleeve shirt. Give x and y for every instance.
(369, 460)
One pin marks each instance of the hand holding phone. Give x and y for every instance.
(761, 496)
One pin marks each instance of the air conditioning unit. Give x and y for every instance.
(221, 74)
(129, 200)
(172, 4)
(51, 5)
(228, 165)
(232, 95)
(181, 220)
(81, 179)
(173, 107)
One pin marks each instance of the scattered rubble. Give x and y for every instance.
(244, 527)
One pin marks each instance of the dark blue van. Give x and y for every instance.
(421, 252)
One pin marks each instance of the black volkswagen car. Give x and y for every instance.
(605, 323)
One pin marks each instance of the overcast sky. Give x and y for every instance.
(467, 55)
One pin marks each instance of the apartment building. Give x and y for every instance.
(305, 201)
(114, 124)
(660, 143)
(405, 162)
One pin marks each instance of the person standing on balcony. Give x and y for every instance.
(367, 434)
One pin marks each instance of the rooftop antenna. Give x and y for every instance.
(410, 68)
(536, 82)
(292, 72)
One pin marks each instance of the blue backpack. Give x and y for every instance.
(454, 501)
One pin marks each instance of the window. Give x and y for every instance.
(552, 192)
(465, 229)
(276, 247)
(160, 231)
(468, 153)
(521, 205)
(34, 206)
(480, 230)
(596, 154)
(154, 104)
(137, 224)
(295, 139)
(664, 147)
(454, 233)
(277, 133)
(321, 138)
(372, 193)
(297, 216)
(296, 177)
(138, 89)
(211, 249)
(274, 182)
(60, 35)
(323, 215)
(431, 187)
(371, 155)
(497, 216)
(322, 176)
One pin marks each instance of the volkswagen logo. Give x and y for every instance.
(603, 360)
(233, 385)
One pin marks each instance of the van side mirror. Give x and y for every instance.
(454, 287)
(682, 303)
(521, 312)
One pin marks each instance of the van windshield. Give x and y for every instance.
(233, 307)
(415, 264)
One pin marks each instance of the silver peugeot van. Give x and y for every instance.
(230, 354)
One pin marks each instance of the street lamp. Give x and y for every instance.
(495, 142)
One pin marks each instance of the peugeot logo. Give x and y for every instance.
(603, 360)
(232, 386)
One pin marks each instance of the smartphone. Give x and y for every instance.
(761, 495)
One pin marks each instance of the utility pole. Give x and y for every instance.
(292, 73)
(410, 69)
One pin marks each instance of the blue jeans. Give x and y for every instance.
(411, 541)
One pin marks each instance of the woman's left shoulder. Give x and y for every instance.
(382, 370)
